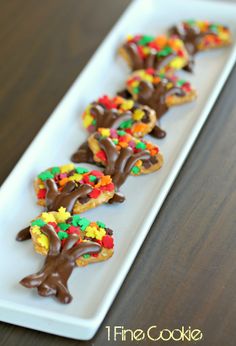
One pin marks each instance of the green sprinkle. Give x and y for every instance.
(126, 124)
(45, 175)
(135, 170)
(62, 235)
(94, 122)
(92, 178)
(83, 223)
(101, 224)
(115, 140)
(191, 21)
(121, 133)
(136, 90)
(180, 82)
(81, 170)
(87, 255)
(162, 75)
(64, 226)
(55, 170)
(213, 28)
(164, 52)
(145, 40)
(38, 222)
(140, 145)
(75, 220)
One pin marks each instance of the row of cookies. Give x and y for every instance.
(116, 126)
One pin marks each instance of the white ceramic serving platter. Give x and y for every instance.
(94, 287)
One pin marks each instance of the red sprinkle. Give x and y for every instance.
(95, 193)
(41, 194)
(86, 179)
(73, 229)
(101, 155)
(107, 242)
(108, 187)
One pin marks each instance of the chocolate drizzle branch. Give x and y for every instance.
(104, 118)
(155, 97)
(56, 199)
(67, 197)
(52, 279)
(119, 164)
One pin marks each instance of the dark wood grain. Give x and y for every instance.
(189, 276)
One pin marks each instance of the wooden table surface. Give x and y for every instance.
(189, 277)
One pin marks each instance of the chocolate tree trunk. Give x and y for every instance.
(52, 279)
(119, 164)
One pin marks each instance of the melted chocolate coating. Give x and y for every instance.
(109, 118)
(155, 96)
(151, 61)
(119, 164)
(190, 35)
(157, 132)
(24, 234)
(125, 94)
(67, 197)
(104, 118)
(83, 154)
(52, 279)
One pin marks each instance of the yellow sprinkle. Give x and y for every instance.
(100, 233)
(146, 50)
(35, 229)
(135, 83)
(127, 105)
(48, 217)
(138, 114)
(87, 119)
(43, 241)
(224, 36)
(105, 132)
(140, 73)
(169, 85)
(177, 63)
(93, 232)
(41, 186)
(148, 78)
(62, 215)
(75, 177)
(67, 168)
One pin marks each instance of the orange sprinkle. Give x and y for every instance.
(139, 127)
(123, 144)
(149, 146)
(154, 151)
(105, 180)
(63, 181)
(156, 80)
(138, 163)
(161, 40)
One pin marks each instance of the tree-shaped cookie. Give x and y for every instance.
(66, 241)
(163, 53)
(122, 155)
(75, 188)
(118, 113)
(159, 92)
(201, 35)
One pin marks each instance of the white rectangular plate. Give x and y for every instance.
(95, 286)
